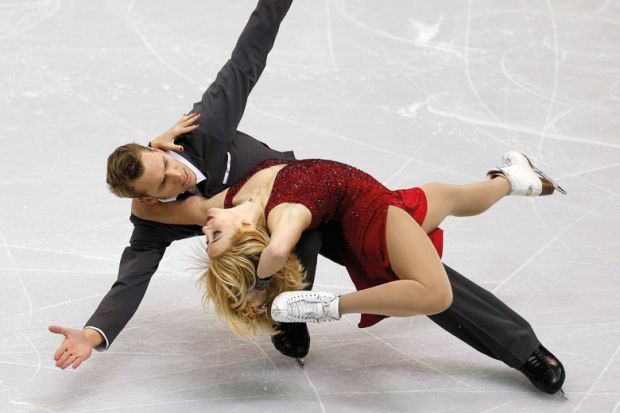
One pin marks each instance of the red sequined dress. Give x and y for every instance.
(333, 191)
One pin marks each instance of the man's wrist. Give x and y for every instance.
(93, 336)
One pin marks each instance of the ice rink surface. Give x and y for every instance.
(410, 91)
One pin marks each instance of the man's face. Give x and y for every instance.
(164, 176)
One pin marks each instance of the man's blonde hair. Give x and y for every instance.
(232, 274)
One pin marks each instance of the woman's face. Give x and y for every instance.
(222, 225)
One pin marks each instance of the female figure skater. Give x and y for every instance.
(392, 239)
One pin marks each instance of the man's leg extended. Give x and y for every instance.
(484, 322)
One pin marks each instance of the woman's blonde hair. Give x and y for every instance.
(230, 276)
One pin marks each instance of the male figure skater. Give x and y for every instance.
(215, 155)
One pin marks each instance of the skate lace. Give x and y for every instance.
(309, 310)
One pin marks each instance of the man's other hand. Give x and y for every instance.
(186, 124)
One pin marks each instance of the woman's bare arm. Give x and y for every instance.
(286, 227)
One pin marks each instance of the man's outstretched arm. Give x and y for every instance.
(137, 266)
(223, 103)
(138, 263)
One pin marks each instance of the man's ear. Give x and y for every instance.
(147, 200)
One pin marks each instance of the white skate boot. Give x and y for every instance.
(304, 307)
(525, 179)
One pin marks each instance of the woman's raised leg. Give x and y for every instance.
(516, 176)
(461, 200)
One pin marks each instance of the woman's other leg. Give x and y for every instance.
(517, 176)
(423, 287)
(461, 200)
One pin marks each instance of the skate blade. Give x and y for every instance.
(556, 186)
(563, 394)
(300, 362)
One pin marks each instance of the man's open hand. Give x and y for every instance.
(75, 348)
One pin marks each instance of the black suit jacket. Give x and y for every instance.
(207, 148)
